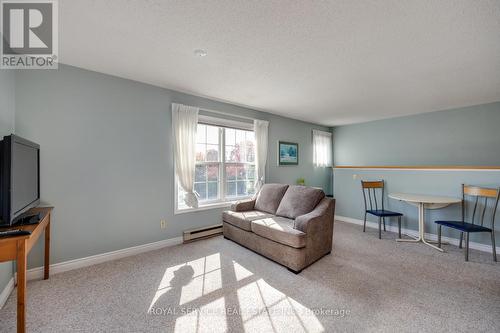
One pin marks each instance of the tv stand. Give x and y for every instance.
(18, 247)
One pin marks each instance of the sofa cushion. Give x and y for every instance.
(299, 200)
(279, 229)
(269, 197)
(242, 219)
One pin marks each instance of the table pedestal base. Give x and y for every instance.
(421, 231)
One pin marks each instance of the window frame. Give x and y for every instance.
(222, 200)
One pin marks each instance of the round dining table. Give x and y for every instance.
(424, 201)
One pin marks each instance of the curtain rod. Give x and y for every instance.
(227, 114)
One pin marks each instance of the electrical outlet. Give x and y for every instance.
(354, 176)
(163, 224)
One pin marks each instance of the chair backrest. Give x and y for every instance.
(370, 189)
(476, 193)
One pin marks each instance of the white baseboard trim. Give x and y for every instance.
(6, 292)
(454, 241)
(37, 272)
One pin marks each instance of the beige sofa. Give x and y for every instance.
(292, 225)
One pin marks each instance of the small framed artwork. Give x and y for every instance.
(288, 153)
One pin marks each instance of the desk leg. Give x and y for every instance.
(21, 285)
(47, 251)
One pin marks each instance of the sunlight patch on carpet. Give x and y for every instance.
(263, 308)
(240, 271)
(208, 318)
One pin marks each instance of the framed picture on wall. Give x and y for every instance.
(288, 153)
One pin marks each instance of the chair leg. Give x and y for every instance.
(466, 246)
(364, 224)
(461, 237)
(379, 228)
(439, 236)
(493, 247)
(399, 226)
(383, 219)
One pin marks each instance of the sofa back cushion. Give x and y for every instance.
(299, 200)
(269, 197)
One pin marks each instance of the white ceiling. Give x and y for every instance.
(328, 62)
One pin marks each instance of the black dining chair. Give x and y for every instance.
(474, 193)
(370, 189)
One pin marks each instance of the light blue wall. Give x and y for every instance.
(7, 107)
(107, 163)
(466, 136)
(7, 102)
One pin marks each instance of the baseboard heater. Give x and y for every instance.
(202, 233)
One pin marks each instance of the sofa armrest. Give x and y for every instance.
(318, 226)
(243, 205)
(323, 213)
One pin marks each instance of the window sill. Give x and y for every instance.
(214, 205)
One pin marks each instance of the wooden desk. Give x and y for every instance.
(17, 248)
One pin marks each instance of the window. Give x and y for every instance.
(322, 148)
(225, 165)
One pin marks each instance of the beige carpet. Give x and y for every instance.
(215, 285)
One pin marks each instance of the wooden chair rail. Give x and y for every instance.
(422, 167)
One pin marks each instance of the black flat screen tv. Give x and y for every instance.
(19, 178)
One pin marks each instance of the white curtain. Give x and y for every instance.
(322, 148)
(184, 124)
(260, 128)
